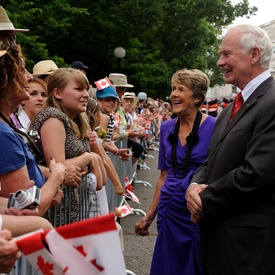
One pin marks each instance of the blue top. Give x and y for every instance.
(15, 154)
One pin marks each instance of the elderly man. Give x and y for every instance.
(233, 193)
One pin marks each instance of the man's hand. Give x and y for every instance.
(193, 201)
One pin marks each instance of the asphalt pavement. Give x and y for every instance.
(138, 250)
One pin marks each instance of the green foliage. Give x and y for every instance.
(159, 36)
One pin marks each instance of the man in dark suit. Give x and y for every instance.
(232, 195)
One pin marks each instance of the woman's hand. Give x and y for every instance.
(9, 251)
(25, 212)
(58, 170)
(92, 137)
(58, 197)
(73, 175)
(141, 227)
(118, 189)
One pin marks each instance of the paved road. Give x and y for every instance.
(138, 250)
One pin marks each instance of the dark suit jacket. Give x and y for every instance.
(238, 227)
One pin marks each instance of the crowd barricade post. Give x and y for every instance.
(56, 215)
(137, 181)
(130, 171)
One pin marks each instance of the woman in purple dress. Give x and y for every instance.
(184, 143)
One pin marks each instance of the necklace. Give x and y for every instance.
(191, 140)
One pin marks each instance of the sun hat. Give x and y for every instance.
(79, 66)
(44, 67)
(120, 80)
(130, 95)
(6, 24)
(109, 91)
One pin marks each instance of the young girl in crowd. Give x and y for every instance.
(28, 109)
(94, 115)
(63, 128)
(107, 98)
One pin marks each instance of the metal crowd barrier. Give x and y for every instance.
(61, 214)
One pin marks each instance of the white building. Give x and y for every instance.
(227, 90)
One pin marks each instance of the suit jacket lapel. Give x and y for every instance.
(260, 91)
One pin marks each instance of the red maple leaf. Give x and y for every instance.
(99, 267)
(81, 250)
(45, 267)
(103, 83)
(123, 211)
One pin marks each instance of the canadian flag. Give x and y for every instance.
(129, 191)
(124, 210)
(79, 248)
(128, 186)
(39, 257)
(103, 83)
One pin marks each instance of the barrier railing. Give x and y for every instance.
(61, 214)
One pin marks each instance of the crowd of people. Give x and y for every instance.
(214, 199)
(50, 139)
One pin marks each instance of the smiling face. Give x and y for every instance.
(237, 64)
(107, 104)
(182, 99)
(127, 104)
(74, 99)
(37, 99)
(68, 91)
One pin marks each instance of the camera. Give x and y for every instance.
(25, 199)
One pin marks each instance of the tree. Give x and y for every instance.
(160, 36)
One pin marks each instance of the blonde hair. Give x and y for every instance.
(93, 108)
(60, 79)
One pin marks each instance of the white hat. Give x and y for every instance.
(6, 24)
(130, 95)
(120, 80)
(44, 67)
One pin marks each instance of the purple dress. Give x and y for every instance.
(177, 245)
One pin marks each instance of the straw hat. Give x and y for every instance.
(44, 67)
(120, 80)
(6, 24)
(130, 95)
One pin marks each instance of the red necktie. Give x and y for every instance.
(238, 101)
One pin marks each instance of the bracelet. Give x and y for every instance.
(117, 152)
